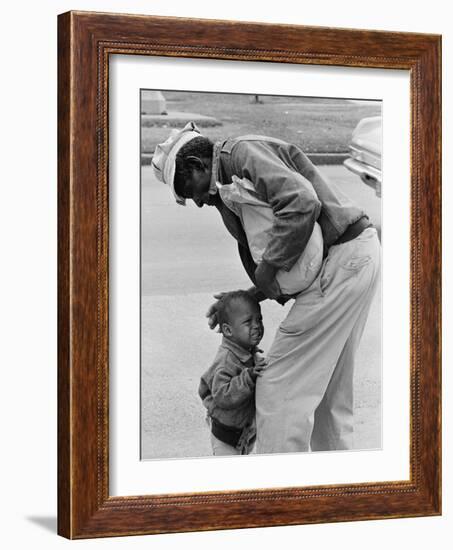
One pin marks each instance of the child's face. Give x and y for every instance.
(245, 326)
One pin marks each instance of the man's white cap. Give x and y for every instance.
(164, 158)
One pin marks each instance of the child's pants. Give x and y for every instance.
(219, 448)
(246, 444)
(304, 399)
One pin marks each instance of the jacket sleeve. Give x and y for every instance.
(247, 261)
(203, 389)
(292, 197)
(229, 391)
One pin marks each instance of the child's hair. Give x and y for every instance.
(225, 303)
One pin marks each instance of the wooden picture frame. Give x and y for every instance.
(85, 41)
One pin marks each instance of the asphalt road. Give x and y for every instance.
(187, 256)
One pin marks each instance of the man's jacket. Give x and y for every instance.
(298, 193)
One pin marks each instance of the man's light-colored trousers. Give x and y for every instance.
(304, 399)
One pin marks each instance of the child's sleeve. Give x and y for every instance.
(230, 390)
(203, 389)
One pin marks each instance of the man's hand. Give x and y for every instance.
(265, 280)
(211, 314)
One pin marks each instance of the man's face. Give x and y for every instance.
(196, 187)
(245, 324)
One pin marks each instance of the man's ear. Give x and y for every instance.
(226, 329)
(195, 163)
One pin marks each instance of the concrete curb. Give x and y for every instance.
(316, 158)
(177, 119)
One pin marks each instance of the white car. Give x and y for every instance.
(366, 152)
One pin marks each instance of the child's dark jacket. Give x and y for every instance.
(227, 388)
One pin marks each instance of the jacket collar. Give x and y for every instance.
(215, 167)
(242, 354)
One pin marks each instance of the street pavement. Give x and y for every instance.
(187, 256)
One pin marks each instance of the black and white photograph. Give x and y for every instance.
(226, 294)
(260, 274)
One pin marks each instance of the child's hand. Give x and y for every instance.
(259, 359)
(258, 369)
(260, 365)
